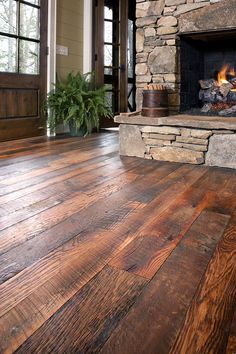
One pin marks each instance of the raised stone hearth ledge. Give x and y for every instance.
(181, 120)
(185, 139)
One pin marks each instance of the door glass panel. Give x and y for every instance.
(29, 57)
(108, 71)
(109, 99)
(8, 16)
(29, 21)
(130, 49)
(131, 98)
(8, 54)
(108, 32)
(108, 15)
(34, 2)
(108, 55)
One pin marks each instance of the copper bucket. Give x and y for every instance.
(155, 103)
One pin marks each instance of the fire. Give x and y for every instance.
(231, 71)
(224, 71)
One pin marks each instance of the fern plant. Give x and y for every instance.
(78, 102)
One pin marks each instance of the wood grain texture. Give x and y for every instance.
(209, 317)
(152, 324)
(79, 223)
(88, 323)
(146, 254)
(231, 345)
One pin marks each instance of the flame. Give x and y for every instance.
(231, 71)
(224, 71)
(221, 77)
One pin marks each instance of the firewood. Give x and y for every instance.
(233, 81)
(226, 112)
(206, 108)
(207, 84)
(231, 96)
(154, 87)
(208, 96)
(225, 88)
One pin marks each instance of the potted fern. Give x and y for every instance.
(78, 103)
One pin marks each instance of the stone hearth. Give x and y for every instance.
(160, 25)
(181, 138)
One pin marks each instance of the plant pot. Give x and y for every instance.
(74, 131)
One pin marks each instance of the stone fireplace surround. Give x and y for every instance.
(177, 138)
(160, 25)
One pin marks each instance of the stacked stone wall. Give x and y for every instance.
(179, 144)
(157, 44)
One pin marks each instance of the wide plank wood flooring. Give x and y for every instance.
(107, 254)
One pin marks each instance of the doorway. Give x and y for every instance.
(114, 53)
(23, 68)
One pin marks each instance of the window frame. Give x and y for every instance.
(19, 37)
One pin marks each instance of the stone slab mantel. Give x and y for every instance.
(180, 120)
(179, 138)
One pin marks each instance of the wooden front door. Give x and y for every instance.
(23, 68)
(114, 52)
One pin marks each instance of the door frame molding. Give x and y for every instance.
(87, 35)
(52, 41)
(52, 33)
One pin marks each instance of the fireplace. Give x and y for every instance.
(207, 67)
(185, 45)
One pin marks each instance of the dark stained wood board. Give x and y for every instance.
(75, 217)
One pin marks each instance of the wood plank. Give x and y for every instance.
(88, 319)
(45, 160)
(152, 324)
(52, 282)
(44, 269)
(154, 204)
(80, 199)
(79, 224)
(8, 194)
(69, 267)
(25, 155)
(208, 320)
(29, 228)
(90, 218)
(82, 180)
(34, 150)
(231, 345)
(48, 191)
(146, 254)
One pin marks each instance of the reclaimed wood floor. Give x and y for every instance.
(102, 254)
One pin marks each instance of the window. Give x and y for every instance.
(20, 36)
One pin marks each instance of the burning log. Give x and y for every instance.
(231, 96)
(233, 81)
(208, 95)
(206, 108)
(226, 112)
(207, 84)
(225, 88)
(219, 96)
